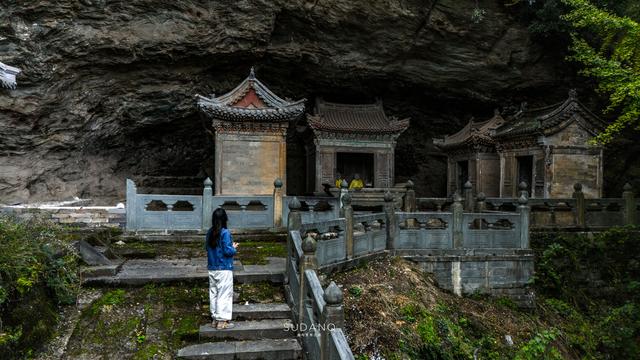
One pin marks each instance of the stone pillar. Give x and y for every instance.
(207, 204)
(348, 220)
(131, 206)
(344, 189)
(481, 206)
(629, 205)
(294, 222)
(457, 216)
(410, 204)
(390, 220)
(278, 199)
(581, 220)
(332, 317)
(524, 211)
(468, 196)
(308, 262)
(523, 189)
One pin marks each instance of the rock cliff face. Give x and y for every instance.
(107, 87)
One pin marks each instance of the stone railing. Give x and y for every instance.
(158, 212)
(576, 212)
(351, 237)
(318, 313)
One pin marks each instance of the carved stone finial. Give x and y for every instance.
(332, 294)
(467, 185)
(410, 185)
(252, 73)
(344, 184)
(522, 200)
(277, 183)
(523, 186)
(481, 196)
(388, 196)
(294, 204)
(309, 244)
(496, 112)
(577, 187)
(346, 199)
(573, 94)
(457, 198)
(627, 187)
(208, 182)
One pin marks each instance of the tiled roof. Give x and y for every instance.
(251, 100)
(549, 119)
(474, 133)
(8, 76)
(354, 118)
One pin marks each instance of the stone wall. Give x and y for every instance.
(83, 217)
(502, 275)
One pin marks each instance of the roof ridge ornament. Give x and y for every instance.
(252, 74)
(573, 94)
(8, 76)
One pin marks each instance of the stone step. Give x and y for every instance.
(261, 311)
(270, 349)
(251, 330)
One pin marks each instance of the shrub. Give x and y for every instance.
(38, 272)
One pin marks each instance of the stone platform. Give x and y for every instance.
(144, 271)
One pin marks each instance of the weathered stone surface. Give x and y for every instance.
(258, 329)
(107, 88)
(272, 349)
(90, 255)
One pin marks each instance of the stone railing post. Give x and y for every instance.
(457, 217)
(278, 199)
(481, 206)
(581, 220)
(410, 204)
(207, 204)
(629, 205)
(308, 262)
(294, 222)
(332, 317)
(131, 206)
(390, 220)
(468, 196)
(344, 189)
(348, 221)
(524, 211)
(523, 186)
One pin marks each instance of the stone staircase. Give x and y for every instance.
(262, 331)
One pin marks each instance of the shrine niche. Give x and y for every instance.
(547, 147)
(351, 139)
(250, 124)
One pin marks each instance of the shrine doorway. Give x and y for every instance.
(349, 164)
(525, 171)
(463, 175)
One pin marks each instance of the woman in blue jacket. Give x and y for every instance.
(220, 252)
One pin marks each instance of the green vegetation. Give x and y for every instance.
(587, 295)
(38, 273)
(603, 37)
(588, 285)
(608, 47)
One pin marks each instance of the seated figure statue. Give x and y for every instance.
(356, 183)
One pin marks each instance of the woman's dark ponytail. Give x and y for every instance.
(218, 222)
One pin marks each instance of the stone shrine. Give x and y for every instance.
(548, 148)
(351, 139)
(250, 124)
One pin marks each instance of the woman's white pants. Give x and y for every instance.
(221, 294)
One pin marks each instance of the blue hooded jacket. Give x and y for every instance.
(220, 257)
